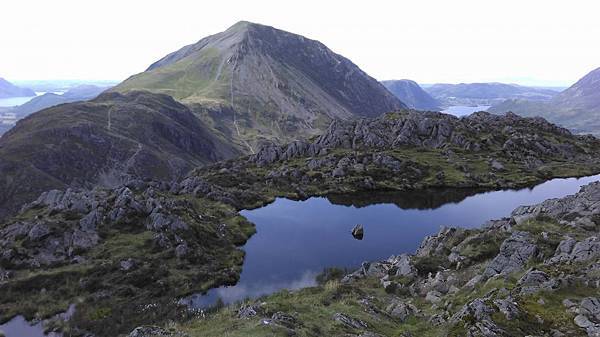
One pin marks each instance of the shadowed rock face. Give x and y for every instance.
(280, 85)
(81, 144)
(412, 95)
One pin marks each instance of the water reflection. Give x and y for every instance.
(423, 200)
(297, 239)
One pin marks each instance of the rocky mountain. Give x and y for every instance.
(258, 84)
(412, 95)
(576, 108)
(143, 244)
(486, 93)
(80, 144)
(8, 90)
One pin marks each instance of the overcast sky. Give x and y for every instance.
(520, 41)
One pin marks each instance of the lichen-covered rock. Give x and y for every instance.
(515, 252)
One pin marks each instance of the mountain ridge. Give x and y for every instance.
(82, 144)
(8, 90)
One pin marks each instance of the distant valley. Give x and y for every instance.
(9, 115)
(576, 108)
(485, 93)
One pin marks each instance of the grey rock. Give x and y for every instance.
(434, 296)
(154, 331)
(5, 275)
(570, 250)
(284, 319)
(127, 265)
(182, 250)
(249, 310)
(508, 307)
(403, 265)
(400, 310)
(84, 240)
(91, 220)
(349, 321)
(515, 252)
(38, 232)
(476, 308)
(496, 165)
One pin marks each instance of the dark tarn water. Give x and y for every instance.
(463, 110)
(297, 240)
(19, 327)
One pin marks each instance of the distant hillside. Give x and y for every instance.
(485, 93)
(258, 84)
(79, 93)
(81, 144)
(411, 94)
(8, 90)
(576, 108)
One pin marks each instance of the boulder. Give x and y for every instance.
(358, 232)
(400, 310)
(154, 331)
(433, 296)
(514, 253)
(589, 316)
(508, 307)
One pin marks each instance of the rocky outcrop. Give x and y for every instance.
(57, 242)
(520, 137)
(515, 252)
(589, 316)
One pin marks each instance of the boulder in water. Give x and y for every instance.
(358, 232)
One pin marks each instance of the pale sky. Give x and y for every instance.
(521, 41)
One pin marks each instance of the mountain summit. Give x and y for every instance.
(259, 83)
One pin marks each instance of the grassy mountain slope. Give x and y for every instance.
(262, 84)
(80, 144)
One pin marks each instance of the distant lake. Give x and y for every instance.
(463, 110)
(14, 101)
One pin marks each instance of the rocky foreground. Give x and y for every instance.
(535, 273)
(125, 254)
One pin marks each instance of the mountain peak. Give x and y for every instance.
(279, 86)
